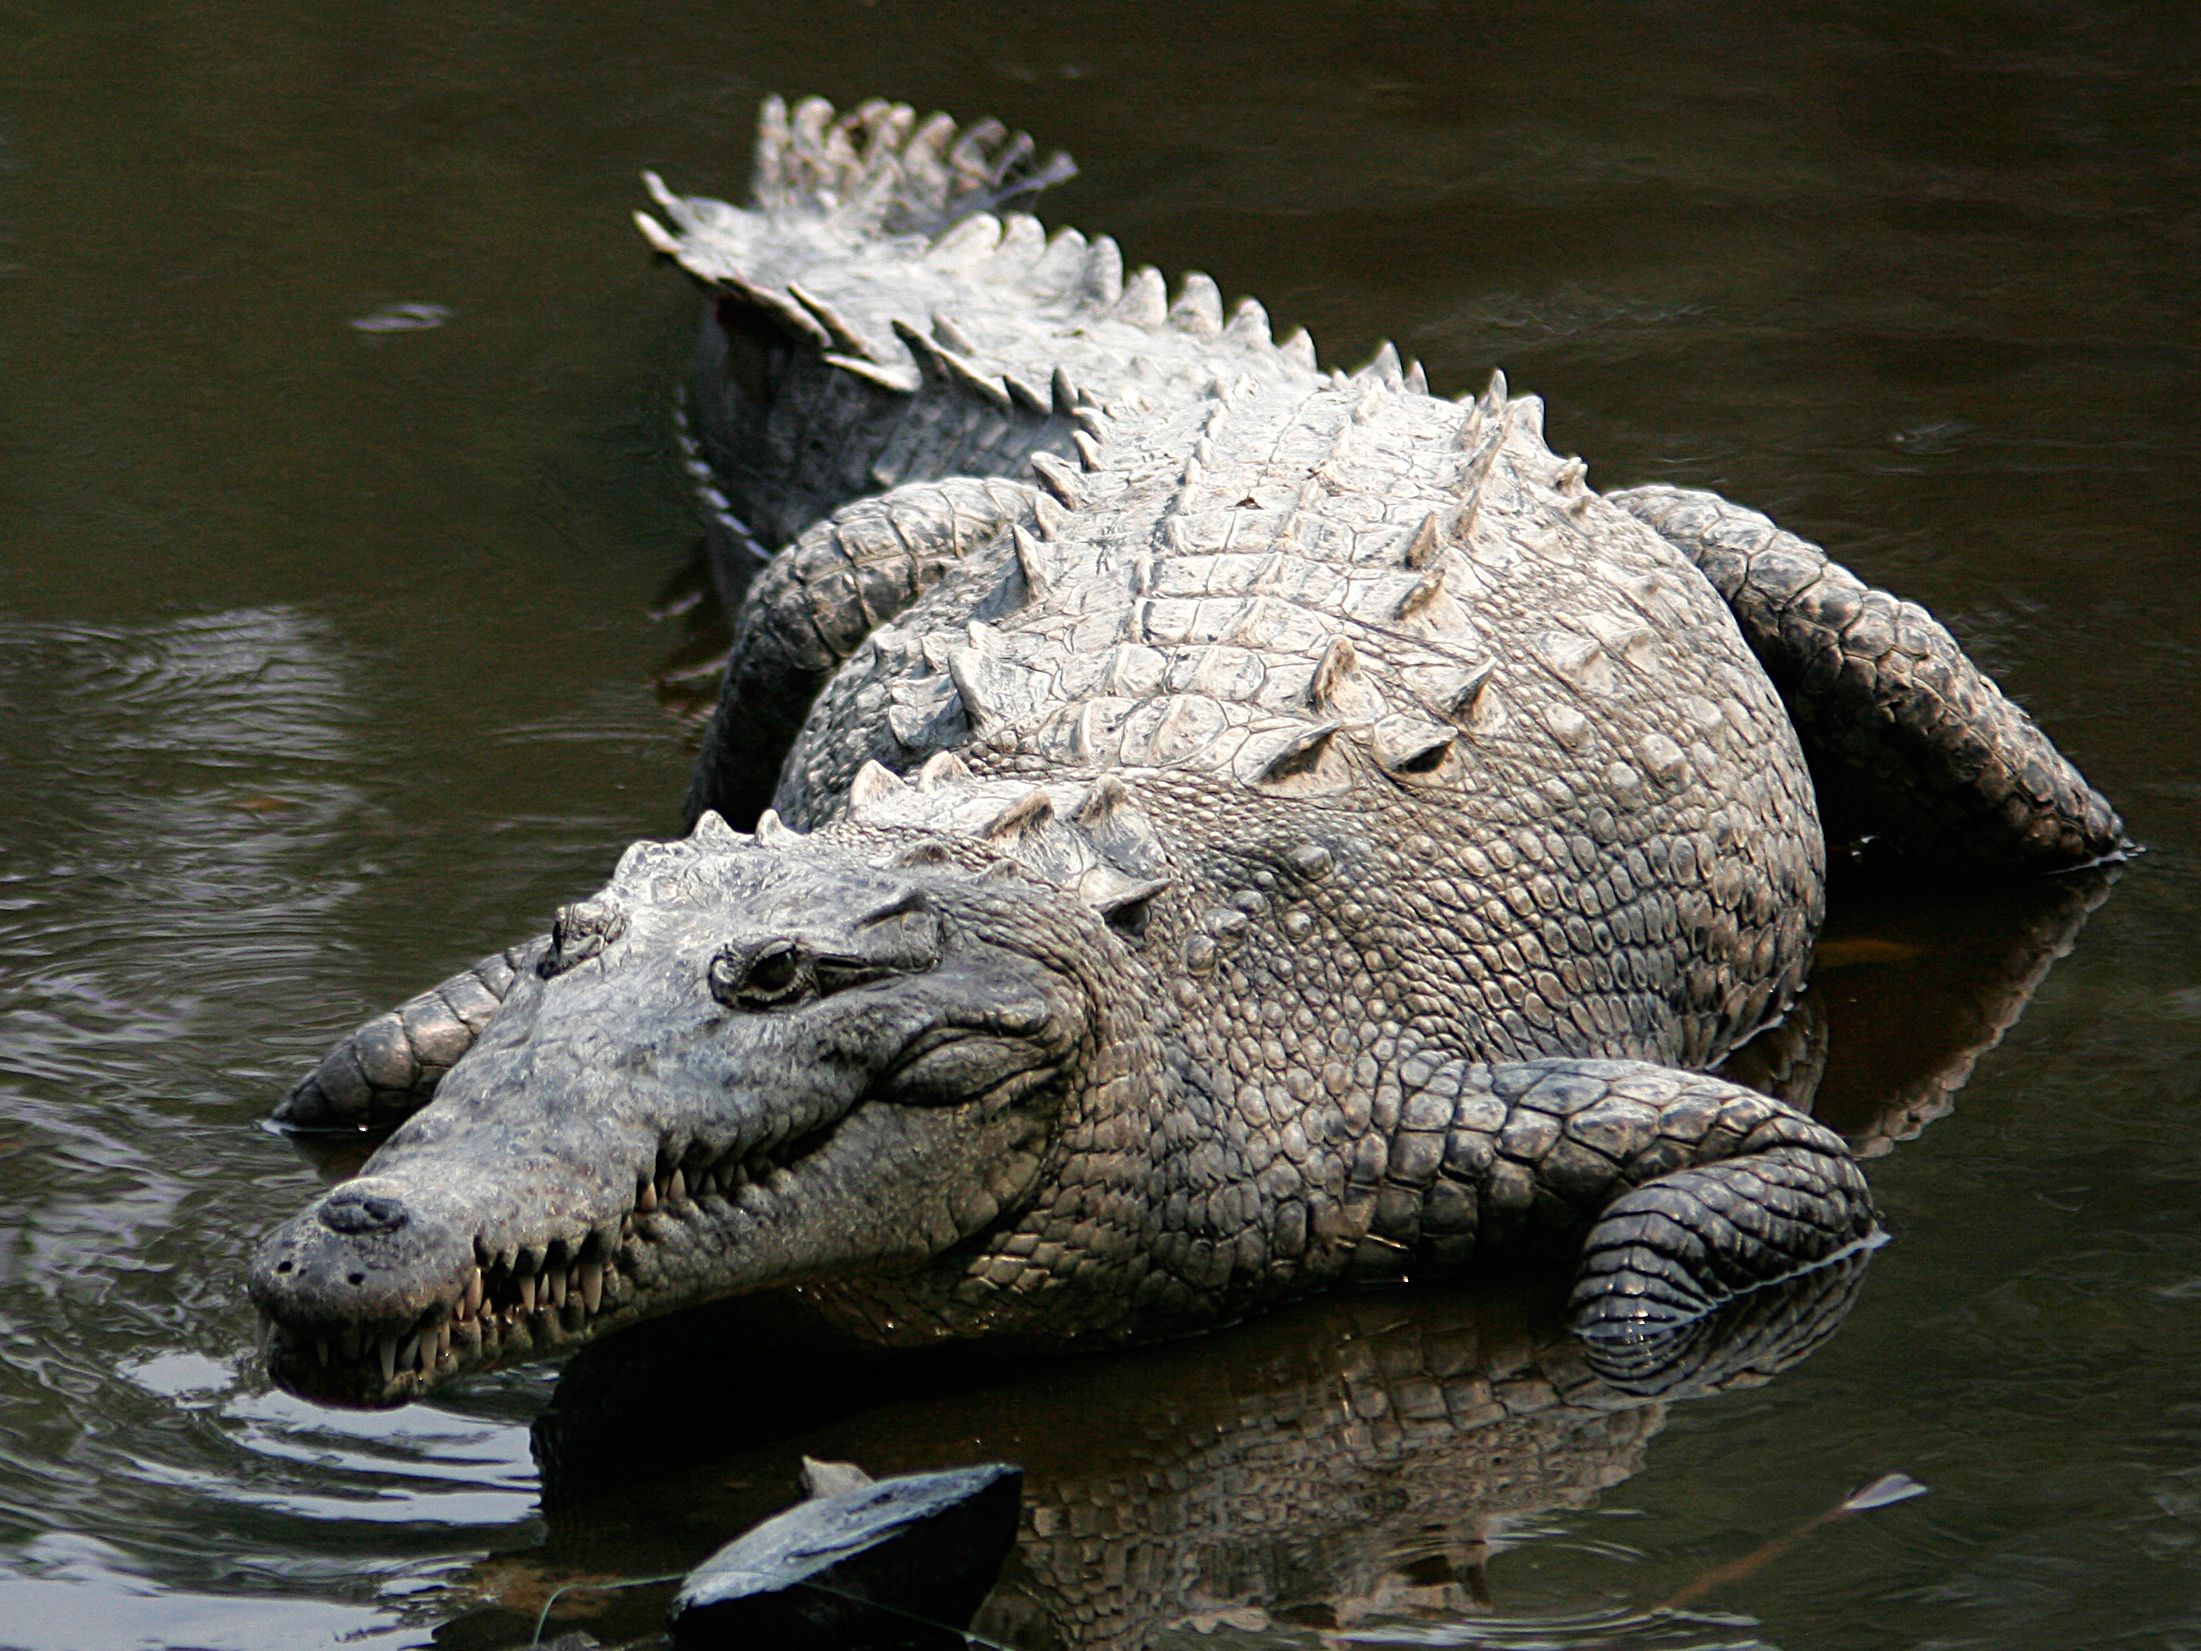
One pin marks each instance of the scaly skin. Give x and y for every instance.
(1312, 835)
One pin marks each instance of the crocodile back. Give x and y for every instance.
(1273, 606)
(1350, 602)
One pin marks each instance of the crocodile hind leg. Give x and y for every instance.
(389, 1068)
(1683, 1191)
(1907, 739)
(813, 607)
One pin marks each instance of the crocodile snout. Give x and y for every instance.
(367, 1247)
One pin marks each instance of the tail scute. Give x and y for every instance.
(877, 168)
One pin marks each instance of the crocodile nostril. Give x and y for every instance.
(362, 1213)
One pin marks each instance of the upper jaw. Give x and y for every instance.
(516, 1210)
(448, 1298)
(471, 1241)
(531, 1205)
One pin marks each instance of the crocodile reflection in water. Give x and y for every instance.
(1349, 1460)
(1352, 1459)
(1909, 991)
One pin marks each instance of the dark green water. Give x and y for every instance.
(324, 663)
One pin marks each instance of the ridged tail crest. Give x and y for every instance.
(878, 167)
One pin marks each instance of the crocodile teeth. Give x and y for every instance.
(676, 1188)
(1145, 299)
(1199, 306)
(592, 1285)
(645, 1197)
(472, 1302)
(1249, 325)
(387, 1352)
(558, 1287)
(527, 1292)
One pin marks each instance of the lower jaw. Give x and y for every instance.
(378, 1368)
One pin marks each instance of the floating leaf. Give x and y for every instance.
(1883, 1492)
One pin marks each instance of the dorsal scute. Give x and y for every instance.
(1219, 642)
(870, 229)
(1086, 837)
(878, 170)
(1232, 566)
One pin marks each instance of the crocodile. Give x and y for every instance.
(1182, 828)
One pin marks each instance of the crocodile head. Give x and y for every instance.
(737, 1066)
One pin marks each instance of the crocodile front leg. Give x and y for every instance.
(1685, 1191)
(813, 607)
(1907, 739)
(389, 1068)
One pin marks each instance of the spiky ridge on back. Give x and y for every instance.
(925, 352)
(861, 223)
(1259, 592)
(877, 170)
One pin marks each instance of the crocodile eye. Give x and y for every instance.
(775, 973)
(774, 970)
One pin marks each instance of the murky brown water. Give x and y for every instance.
(322, 667)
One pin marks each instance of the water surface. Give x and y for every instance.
(334, 491)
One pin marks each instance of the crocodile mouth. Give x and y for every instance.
(522, 1300)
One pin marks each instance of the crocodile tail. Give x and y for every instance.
(877, 168)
